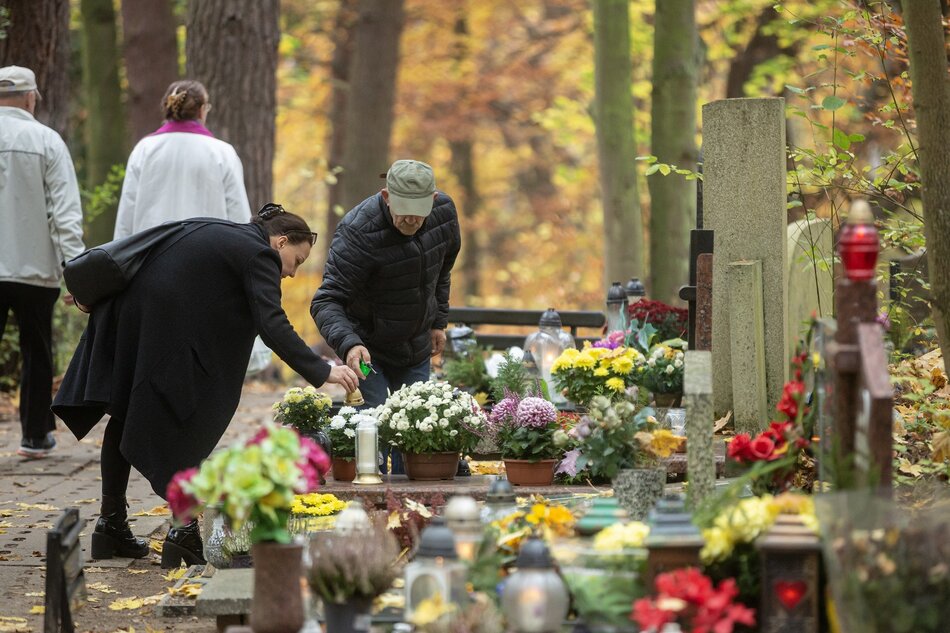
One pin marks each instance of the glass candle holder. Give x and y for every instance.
(367, 453)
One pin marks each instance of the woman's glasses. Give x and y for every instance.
(312, 236)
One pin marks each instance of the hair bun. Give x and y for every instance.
(269, 210)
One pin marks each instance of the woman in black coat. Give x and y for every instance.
(166, 359)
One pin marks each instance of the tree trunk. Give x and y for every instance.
(231, 48)
(150, 48)
(38, 38)
(616, 150)
(369, 117)
(673, 121)
(339, 75)
(931, 93)
(105, 119)
(463, 167)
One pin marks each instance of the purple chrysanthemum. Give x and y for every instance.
(505, 410)
(612, 341)
(536, 412)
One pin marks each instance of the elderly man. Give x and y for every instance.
(385, 293)
(40, 228)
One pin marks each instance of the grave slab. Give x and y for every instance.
(747, 339)
(744, 202)
(810, 279)
(698, 399)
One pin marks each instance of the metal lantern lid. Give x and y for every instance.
(616, 293)
(500, 492)
(671, 524)
(534, 554)
(635, 288)
(461, 514)
(437, 541)
(550, 318)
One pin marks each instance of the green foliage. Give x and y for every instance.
(512, 378)
(600, 596)
(608, 437)
(10, 357)
(4, 22)
(525, 442)
(104, 198)
(467, 371)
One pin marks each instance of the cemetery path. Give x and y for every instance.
(33, 495)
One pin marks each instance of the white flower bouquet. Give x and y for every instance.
(431, 417)
(342, 431)
(663, 370)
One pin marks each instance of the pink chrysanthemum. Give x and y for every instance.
(535, 412)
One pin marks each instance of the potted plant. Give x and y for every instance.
(596, 370)
(431, 423)
(341, 431)
(617, 442)
(525, 429)
(662, 373)
(308, 411)
(348, 573)
(256, 481)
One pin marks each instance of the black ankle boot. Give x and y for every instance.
(183, 544)
(112, 535)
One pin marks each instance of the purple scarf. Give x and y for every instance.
(192, 126)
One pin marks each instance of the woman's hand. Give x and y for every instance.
(345, 377)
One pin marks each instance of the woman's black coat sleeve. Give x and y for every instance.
(262, 283)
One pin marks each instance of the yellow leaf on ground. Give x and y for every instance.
(137, 571)
(941, 444)
(89, 500)
(123, 604)
(188, 589)
(418, 507)
(394, 521)
(38, 609)
(157, 511)
(36, 594)
(10, 624)
(101, 586)
(45, 507)
(156, 546)
(176, 574)
(94, 570)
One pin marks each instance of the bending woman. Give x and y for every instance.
(165, 359)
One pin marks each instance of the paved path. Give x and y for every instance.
(32, 496)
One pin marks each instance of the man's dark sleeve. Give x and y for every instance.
(444, 284)
(345, 273)
(262, 284)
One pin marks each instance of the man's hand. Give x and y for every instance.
(353, 358)
(345, 377)
(438, 341)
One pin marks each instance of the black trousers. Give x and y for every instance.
(33, 308)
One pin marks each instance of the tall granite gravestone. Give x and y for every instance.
(744, 201)
(698, 400)
(810, 275)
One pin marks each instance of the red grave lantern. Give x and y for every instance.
(858, 244)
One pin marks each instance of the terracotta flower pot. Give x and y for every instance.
(277, 605)
(344, 468)
(431, 466)
(524, 472)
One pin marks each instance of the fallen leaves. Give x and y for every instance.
(123, 604)
(176, 574)
(45, 507)
(188, 589)
(157, 511)
(10, 624)
(156, 546)
(38, 609)
(137, 571)
(101, 587)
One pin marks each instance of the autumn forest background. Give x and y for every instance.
(568, 131)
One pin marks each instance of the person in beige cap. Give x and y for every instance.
(385, 293)
(40, 228)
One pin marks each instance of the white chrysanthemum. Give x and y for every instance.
(338, 422)
(670, 369)
(349, 432)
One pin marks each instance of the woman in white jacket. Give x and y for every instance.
(181, 170)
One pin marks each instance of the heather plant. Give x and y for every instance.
(343, 568)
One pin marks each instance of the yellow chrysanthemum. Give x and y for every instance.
(616, 384)
(664, 443)
(622, 365)
(585, 360)
(717, 546)
(600, 372)
(621, 536)
(596, 352)
(561, 364)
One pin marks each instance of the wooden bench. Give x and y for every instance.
(572, 319)
(65, 581)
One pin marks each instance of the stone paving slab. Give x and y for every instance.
(228, 592)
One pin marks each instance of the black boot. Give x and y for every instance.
(112, 536)
(183, 544)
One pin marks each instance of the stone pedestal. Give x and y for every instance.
(747, 341)
(698, 400)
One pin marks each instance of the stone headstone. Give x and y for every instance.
(744, 202)
(810, 275)
(704, 301)
(747, 338)
(698, 400)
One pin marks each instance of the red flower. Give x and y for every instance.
(314, 462)
(687, 597)
(182, 504)
(259, 437)
(762, 448)
(739, 448)
(791, 399)
(649, 616)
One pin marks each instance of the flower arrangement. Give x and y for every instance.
(596, 370)
(343, 568)
(525, 428)
(665, 320)
(306, 409)
(621, 536)
(431, 417)
(342, 431)
(688, 598)
(774, 455)
(314, 512)
(614, 436)
(252, 481)
(662, 372)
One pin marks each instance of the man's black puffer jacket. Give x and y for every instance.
(383, 289)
